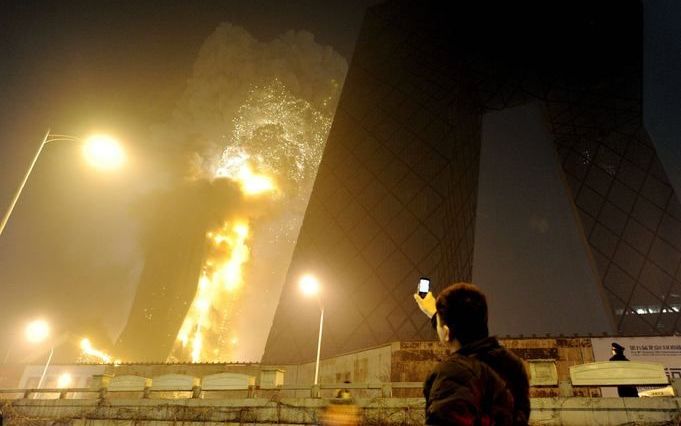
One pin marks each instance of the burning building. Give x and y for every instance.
(251, 126)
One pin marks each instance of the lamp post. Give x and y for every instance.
(101, 151)
(309, 285)
(36, 332)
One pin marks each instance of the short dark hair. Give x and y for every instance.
(463, 308)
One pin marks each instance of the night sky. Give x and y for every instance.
(70, 251)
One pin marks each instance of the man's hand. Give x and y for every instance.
(427, 304)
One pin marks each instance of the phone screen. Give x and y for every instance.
(424, 285)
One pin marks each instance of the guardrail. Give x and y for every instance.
(179, 386)
(386, 390)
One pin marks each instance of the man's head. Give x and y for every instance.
(462, 314)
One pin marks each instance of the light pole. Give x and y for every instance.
(36, 332)
(100, 151)
(309, 285)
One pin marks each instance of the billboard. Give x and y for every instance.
(665, 350)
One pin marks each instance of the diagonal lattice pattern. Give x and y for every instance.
(394, 197)
(396, 192)
(628, 210)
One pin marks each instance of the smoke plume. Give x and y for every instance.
(252, 112)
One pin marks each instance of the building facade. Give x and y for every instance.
(397, 194)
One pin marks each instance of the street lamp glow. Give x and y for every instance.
(309, 285)
(64, 380)
(37, 331)
(103, 152)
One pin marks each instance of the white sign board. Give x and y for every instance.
(665, 350)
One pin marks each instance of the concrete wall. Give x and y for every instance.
(197, 370)
(367, 366)
(412, 361)
(378, 411)
(394, 362)
(565, 352)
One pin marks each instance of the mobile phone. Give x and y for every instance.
(424, 286)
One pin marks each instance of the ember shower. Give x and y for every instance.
(277, 138)
(251, 127)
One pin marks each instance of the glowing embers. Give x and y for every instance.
(252, 184)
(282, 133)
(91, 354)
(238, 169)
(205, 326)
(272, 154)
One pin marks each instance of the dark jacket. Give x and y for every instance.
(464, 391)
(624, 391)
(508, 366)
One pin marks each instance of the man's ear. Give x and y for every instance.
(447, 334)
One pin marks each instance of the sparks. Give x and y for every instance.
(278, 132)
(277, 139)
(241, 171)
(253, 184)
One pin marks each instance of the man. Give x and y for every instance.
(460, 317)
(618, 355)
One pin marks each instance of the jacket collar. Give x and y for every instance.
(483, 345)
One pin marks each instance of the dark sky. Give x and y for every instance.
(112, 66)
(545, 261)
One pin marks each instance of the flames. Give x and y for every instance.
(274, 134)
(89, 352)
(206, 325)
(221, 277)
(253, 184)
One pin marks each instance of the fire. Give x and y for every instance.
(275, 134)
(89, 351)
(205, 325)
(221, 277)
(251, 183)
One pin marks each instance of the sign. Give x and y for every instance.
(665, 350)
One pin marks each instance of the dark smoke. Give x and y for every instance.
(231, 65)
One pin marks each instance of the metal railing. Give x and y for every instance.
(314, 391)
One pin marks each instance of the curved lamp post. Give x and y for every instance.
(309, 285)
(101, 151)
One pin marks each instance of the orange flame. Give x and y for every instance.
(222, 275)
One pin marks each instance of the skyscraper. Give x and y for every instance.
(589, 237)
(174, 245)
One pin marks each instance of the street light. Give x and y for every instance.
(101, 151)
(36, 332)
(309, 285)
(64, 380)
